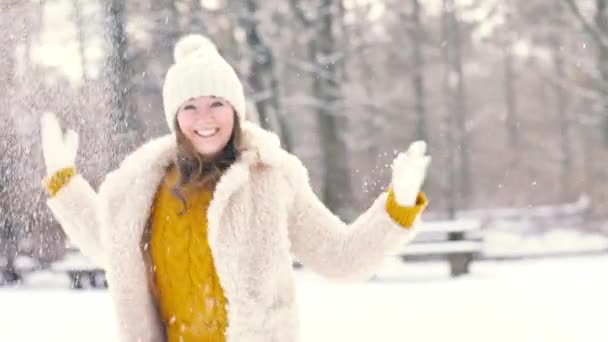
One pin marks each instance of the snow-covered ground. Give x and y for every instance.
(545, 300)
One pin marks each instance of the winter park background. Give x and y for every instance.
(512, 97)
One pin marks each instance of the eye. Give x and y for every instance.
(216, 104)
(189, 107)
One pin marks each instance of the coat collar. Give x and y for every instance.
(132, 187)
(260, 147)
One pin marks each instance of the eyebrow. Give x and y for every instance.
(216, 98)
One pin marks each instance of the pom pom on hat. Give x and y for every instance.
(200, 70)
(190, 44)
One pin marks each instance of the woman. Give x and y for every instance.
(196, 229)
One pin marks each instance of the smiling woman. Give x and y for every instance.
(196, 230)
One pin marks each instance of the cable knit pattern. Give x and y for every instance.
(192, 302)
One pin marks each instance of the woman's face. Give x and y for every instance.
(207, 122)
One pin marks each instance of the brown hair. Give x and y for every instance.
(195, 170)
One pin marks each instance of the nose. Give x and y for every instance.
(204, 112)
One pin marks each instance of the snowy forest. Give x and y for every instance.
(511, 97)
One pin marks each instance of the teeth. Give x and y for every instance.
(205, 133)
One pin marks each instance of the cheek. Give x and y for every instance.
(184, 122)
(227, 122)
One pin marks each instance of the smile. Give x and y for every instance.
(206, 133)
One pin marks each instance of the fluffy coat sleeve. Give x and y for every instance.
(76, 206)
(322, 242)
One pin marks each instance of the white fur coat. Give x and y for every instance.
(263, 211)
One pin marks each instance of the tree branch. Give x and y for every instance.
(592, 31)
(297, 10)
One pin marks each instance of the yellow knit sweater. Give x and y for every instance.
(192, 302)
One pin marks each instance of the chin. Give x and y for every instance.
(206, 153)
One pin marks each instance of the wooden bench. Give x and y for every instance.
(9, 277)
(458, 242)
(21, 266)
(83, 274)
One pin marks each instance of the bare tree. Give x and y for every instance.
(459, 178)
(81, 37)
(561, 102)
(598, 31)
(415, 32)
(261, 75)
(197, 23)
(337, 192)
(116, 74)
(166, 31)
(595, 26)
(511, 118)
(9, 143)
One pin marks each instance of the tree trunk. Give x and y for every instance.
(415, 33)
(344, 39)
(600, 19)
(585, 134)
(9, 142)
(166, 33)
(261, 75)
(601, 175)
(337, 187)
(260, 67)
(373, 117)
(336, 191)
(458, 178)
(562, 118)
(598, 32)
(196, 17)
(81, 38)
(122, 120)
(466, 186)
(511, 118)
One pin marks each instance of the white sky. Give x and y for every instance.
(58, 46)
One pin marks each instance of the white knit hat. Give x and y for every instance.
(199, 70)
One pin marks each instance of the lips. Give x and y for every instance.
(207, 132)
